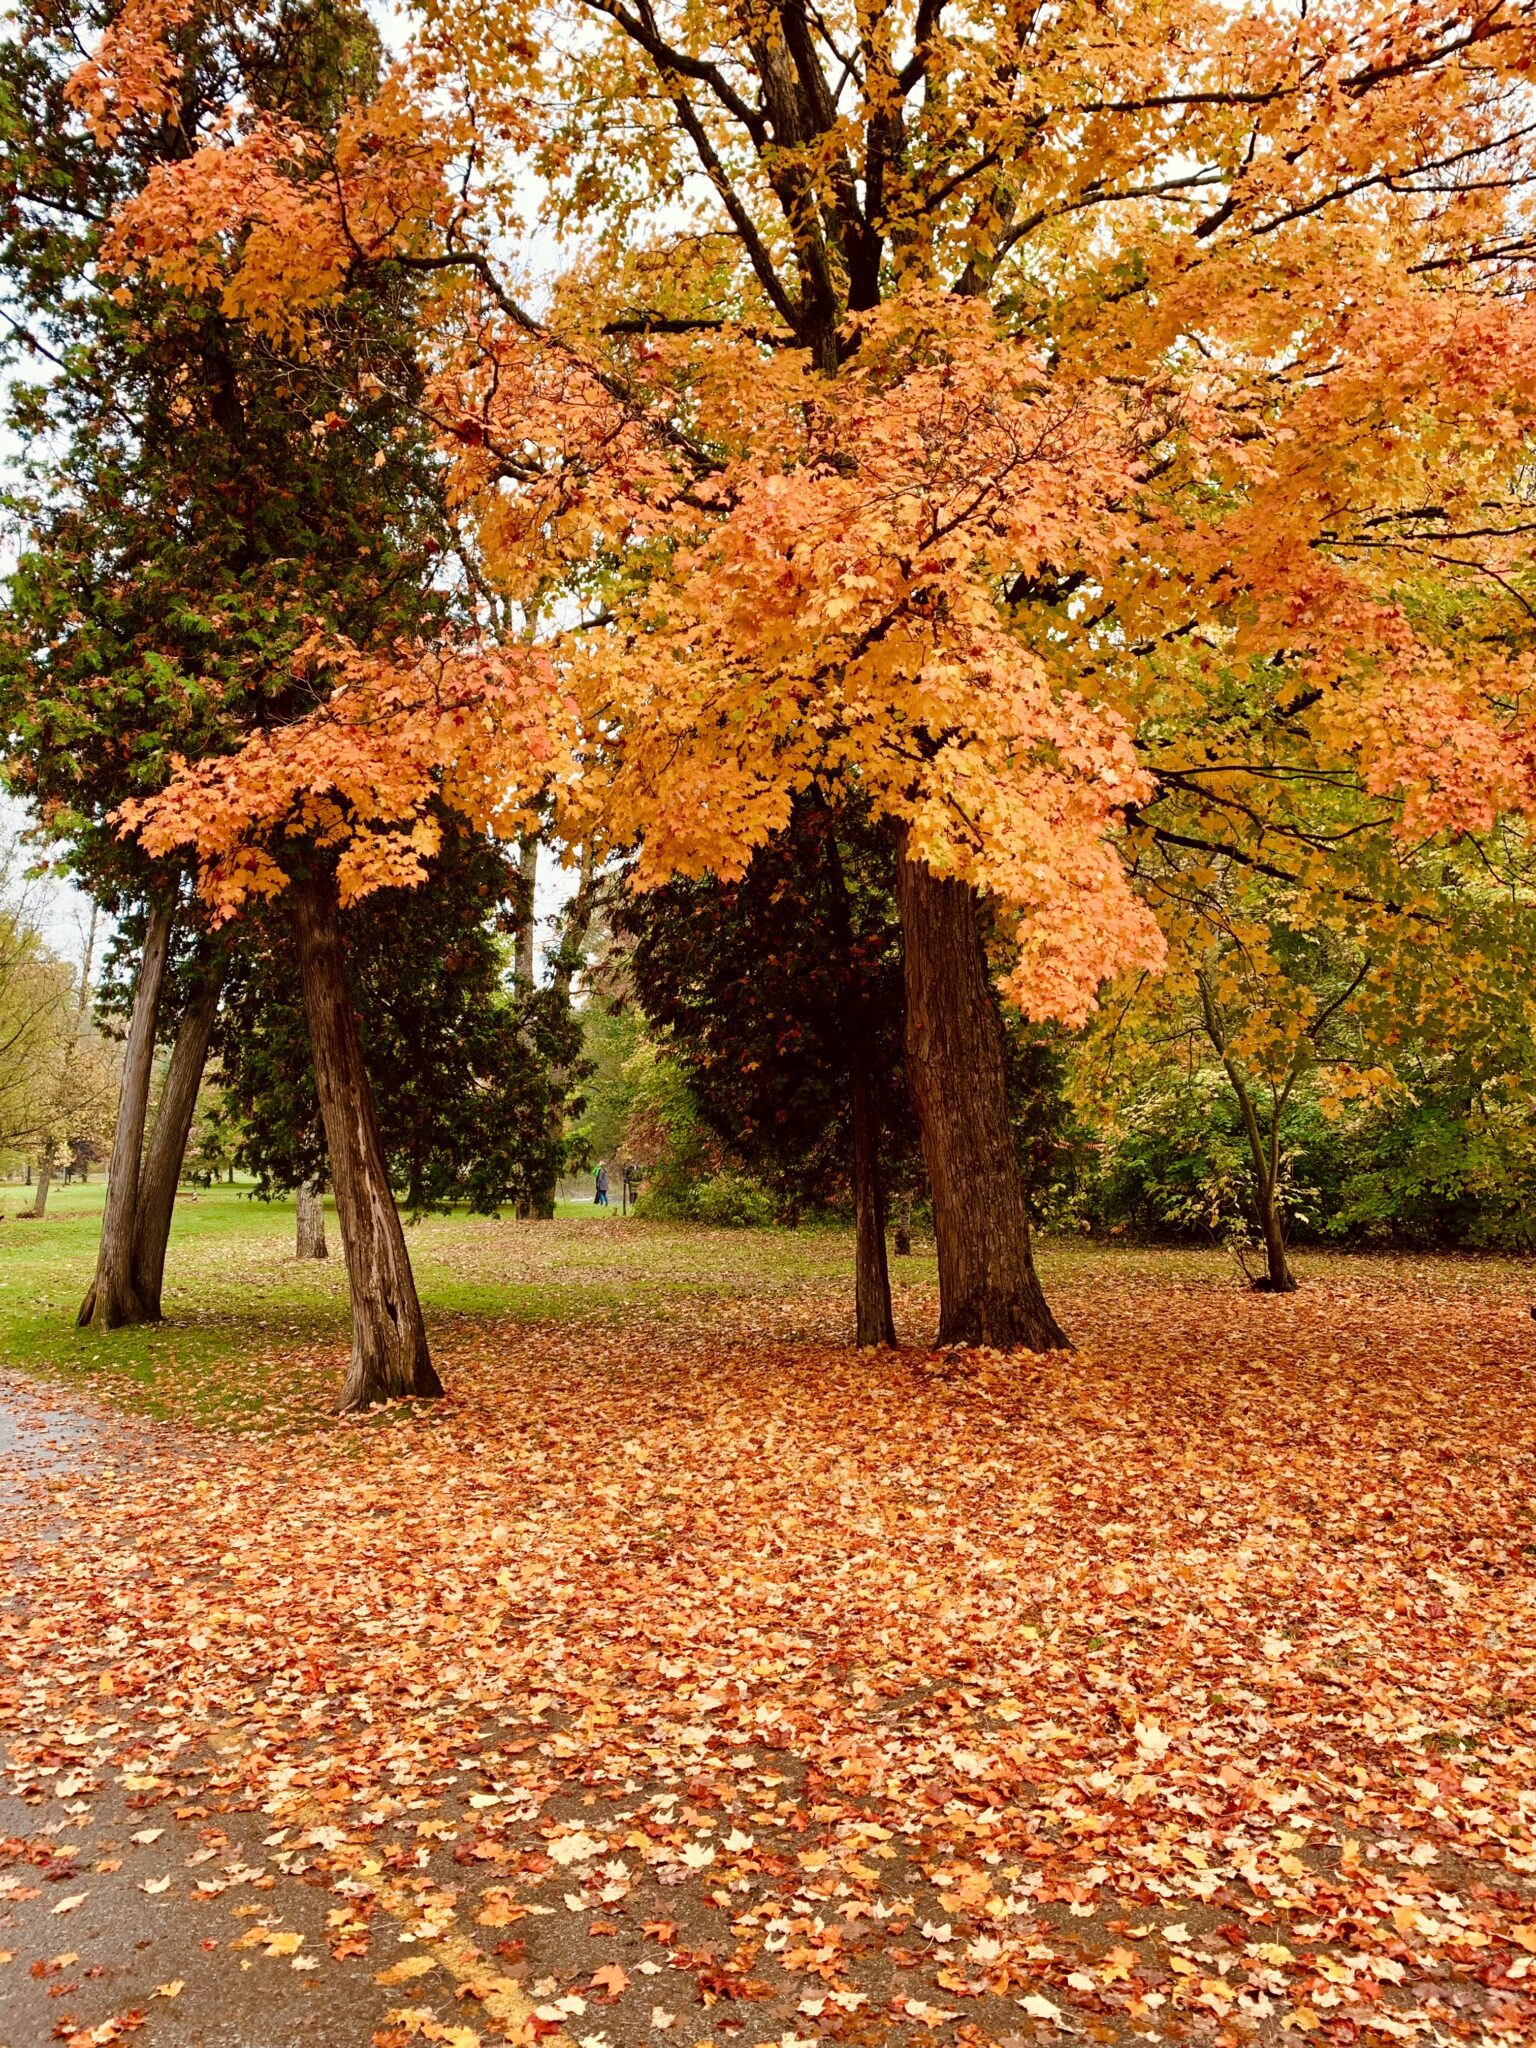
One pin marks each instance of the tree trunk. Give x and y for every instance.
(113, 1298)
(390, 1358)
(872, 1317)
(527, 885)
(873, 1321)
(310, 1204)
(988, 1289)
(44, 1178)
(168, 1141)
(1278, 1277)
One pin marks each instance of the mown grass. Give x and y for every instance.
(253, 1336)
(251, 1333)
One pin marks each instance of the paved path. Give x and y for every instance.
(76, 1832)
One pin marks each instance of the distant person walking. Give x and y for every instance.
(601, 1197)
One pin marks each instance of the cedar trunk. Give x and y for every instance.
(113, 1299)
(310, 1231)
(389, 1339)
(168, 1141)
(988, 1289)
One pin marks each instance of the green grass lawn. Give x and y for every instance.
(254, 1336)
(237, 1301)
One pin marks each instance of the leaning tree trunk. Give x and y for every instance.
(988, 1290)
(390, 1358)
(168, 1141)
(1278, 1277)
(113, 1299)
(44, 1181)
(309, 1203)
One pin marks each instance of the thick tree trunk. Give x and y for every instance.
(168, 1141)
(310, 1206)
(389, 1340)
(113, 1299)
(873, 1320)
(988, 1289)
(44, 1180)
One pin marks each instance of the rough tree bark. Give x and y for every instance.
(44, 1181)
(390, 1358)
(310, 1230)
(989, 1292)
(173, 1124)
(113, 1299)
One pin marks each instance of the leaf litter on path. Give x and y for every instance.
(1177, 1688)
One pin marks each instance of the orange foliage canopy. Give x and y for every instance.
(1024, 420)
(360, 774)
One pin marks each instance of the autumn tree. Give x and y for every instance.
(35, 1014)
(79, 1088)
(780, 994)
(963, 408)
(1258, 988)
(472, 1072)
(219, 507)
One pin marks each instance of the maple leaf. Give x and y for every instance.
(403, 1971)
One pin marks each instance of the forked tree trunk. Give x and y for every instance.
(390, 1358)
(44, 1181)
(113, 1299)
(168, 1141)
(988, 1289)
(309, 1204)
(1265, 1154)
